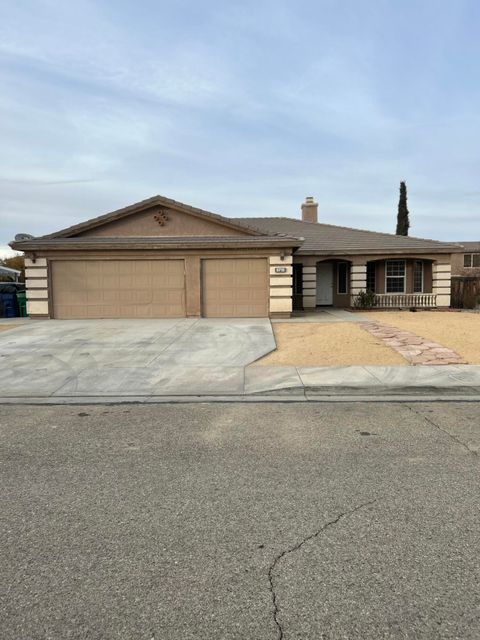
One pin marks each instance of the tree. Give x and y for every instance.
(14, 262)
(403, 222)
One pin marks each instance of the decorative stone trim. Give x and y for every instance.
(40, 272)
(285, 281)
(309, 302)
(278, 260)
(39, 262)
(34, 283)
(280, 292)
(36, 287)
(441, 283)
(309, 280)
(37, 307)
(280, 284)
(280, 305)
(36, 294)
(443, 300)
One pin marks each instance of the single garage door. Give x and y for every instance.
(118, 288)
(235, 288)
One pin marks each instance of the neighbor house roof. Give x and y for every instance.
(7, 271)
(329, 239)
(471, 246)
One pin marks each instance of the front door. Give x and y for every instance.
(324, 283)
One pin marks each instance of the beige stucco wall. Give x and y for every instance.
(178, 223)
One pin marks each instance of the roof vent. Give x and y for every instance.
(310, 210)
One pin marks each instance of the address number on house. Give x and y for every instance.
(280, 269)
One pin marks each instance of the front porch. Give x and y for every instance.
(386, 282)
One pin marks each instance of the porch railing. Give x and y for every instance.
(418, 300)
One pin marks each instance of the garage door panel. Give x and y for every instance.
(235, 287)
(118, 289)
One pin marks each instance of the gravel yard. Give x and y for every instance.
(329, 345)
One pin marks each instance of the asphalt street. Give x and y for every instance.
(240, 521)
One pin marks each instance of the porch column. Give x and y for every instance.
(358, 280)
(309, 287)
(36, 284)
(281, 286)
(442, 282)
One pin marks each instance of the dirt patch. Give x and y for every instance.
(5, 327)
(339, 344)
(457, 331)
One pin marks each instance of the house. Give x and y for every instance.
(163, 259)
(6, 273)
(467, 263)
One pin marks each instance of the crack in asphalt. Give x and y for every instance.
(439, 428)
(298, 546)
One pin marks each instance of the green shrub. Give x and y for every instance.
(364, 300)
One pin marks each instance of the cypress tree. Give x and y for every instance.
(403, 222)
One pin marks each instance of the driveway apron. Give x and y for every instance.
(131, 357)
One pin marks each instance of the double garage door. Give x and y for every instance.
(236, 287)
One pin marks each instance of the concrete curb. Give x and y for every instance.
(320, 395)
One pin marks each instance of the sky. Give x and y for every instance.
(242, 108)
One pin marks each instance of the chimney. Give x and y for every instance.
(310, 210)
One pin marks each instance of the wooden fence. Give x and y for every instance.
(465, 292)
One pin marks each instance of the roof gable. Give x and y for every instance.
(158, 216)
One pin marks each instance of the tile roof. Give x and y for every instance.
(151, 202)
(471, 246)
(330, 239)
(156, 242)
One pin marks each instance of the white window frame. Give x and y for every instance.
(341, 293)
(423, 276)
(404, 276)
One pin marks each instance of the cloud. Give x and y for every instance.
(242, 108)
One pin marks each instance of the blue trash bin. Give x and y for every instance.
(10, 305)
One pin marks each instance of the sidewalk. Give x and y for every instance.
(247, 384)
(364, 380)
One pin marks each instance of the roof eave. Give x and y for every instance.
(58, 245)
(383, 251)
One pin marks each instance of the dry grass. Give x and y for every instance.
(339, 344)
(457, 331)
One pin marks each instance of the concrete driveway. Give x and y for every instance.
(130, 357)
